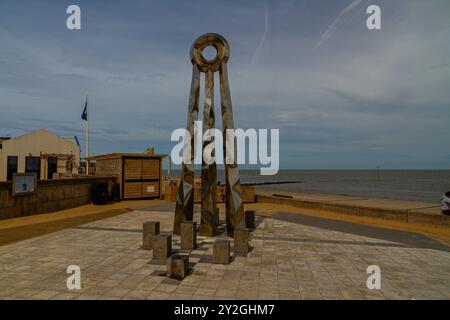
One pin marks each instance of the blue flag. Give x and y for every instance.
(85, 114)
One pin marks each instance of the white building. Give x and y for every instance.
(41, 151)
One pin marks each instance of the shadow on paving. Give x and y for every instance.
(107, 229)
(27, 231)
(407, 239)
(166, 207)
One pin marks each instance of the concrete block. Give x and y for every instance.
(162, 246)
(221, 251)
(178, 266)
(149, 230)
(188, 235)
(250, 219)
(241, 240)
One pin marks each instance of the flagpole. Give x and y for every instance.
(87, 135)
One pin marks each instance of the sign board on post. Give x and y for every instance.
(24, 184)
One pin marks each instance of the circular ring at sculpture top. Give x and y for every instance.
(214, 40)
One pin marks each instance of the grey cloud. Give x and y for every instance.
(378, 95)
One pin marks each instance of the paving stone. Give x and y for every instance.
(45, 295)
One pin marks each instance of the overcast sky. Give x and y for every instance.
(342, 96)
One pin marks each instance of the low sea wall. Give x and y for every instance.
(170, 191)
(50, 196)
(406, 216)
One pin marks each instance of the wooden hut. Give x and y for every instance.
(139, 175)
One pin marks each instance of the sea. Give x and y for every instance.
(418, 185)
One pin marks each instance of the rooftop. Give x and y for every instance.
(117, 155)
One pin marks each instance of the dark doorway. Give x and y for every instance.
(33, 164)
(11, 167)
(52, 166)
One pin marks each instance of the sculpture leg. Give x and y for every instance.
(209, 214)
(184, 210)
(233, 191)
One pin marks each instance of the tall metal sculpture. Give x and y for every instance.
(233, 193)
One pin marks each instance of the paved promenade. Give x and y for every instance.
(293, 257)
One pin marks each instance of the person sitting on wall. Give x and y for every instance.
(445, 203)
